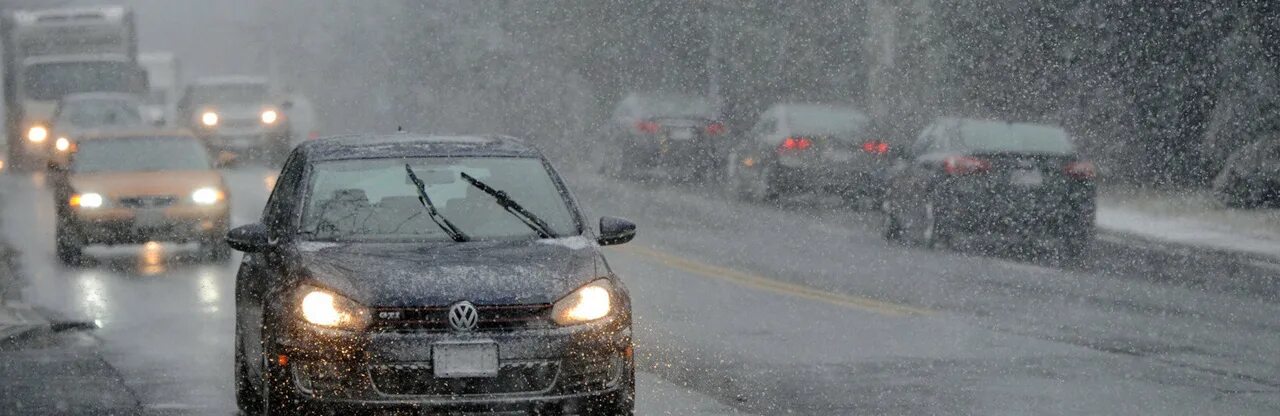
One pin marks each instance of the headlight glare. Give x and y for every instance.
(86, 200)
(37, 134)
(62, 144)
(324, 308)
(209, 119)
(270, 116)
(588, 303)
(206, 196)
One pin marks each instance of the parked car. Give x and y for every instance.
(678, 135)
(1251, 177)
(429, 275)
(982, 178)
(809, 147)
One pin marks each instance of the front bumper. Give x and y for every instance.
(537, 367)
(244, 139)
(140, 225)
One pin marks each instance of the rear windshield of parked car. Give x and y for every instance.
(824, 120)
(139, 154)
(984, 136)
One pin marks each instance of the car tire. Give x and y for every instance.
(247, 397)
(69, 247)
(932, 232)
(892, 227)
(1232, 194)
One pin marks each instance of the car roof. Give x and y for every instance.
(374, 146)
(123, 133)
(231, 80)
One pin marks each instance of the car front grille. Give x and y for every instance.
(419, 379)
(157, 201)
(436, 319)
(240, 123)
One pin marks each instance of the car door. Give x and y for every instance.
(261, 276)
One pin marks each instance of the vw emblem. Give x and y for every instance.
(463, 316)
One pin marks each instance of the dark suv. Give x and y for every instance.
(440, 274)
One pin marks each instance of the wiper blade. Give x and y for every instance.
(432, 212)
(510, 205)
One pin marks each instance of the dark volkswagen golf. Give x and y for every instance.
(451, 274)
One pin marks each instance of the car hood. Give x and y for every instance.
(158, 183)
(439, 274)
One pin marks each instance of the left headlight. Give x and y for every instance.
(324, 308)
(207, 196)
(270, 116)
(588, 303)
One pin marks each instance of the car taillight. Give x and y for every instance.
(1081, 170)
(964, 165)
(647, 127)
(795, 143)
(875, 147)
(715, 129)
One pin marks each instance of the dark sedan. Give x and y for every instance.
(809, 147)
(978, 178)
(675, 135)
(436, 274)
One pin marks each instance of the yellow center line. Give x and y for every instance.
(776, 286)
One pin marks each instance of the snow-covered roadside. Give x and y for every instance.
(1189, 217)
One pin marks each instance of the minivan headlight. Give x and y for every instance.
(325, 308)
(588, 303)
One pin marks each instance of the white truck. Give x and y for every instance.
(52, 53)
(164, 80)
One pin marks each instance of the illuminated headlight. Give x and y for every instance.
(86, 200)
(206, 196)
(37, 134)
(62, 144)
(324, 308)
(209, 119)
(270, 117)
(588, 303)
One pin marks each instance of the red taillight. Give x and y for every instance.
(964, 165)
(875, 147)
(648, 127)
(715, 129)
(1081, 170)
(795, 143)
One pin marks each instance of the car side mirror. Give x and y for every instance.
(614, 231)
(249, 238)
(225, 159)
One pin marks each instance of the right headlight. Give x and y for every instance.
(325, 308)
(588, 303)
(209, 119)
(86, 200)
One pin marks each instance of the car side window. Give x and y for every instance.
(283, 199)
(925, 141)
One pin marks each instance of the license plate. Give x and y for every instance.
(465, 359)
(682, 134)
(148, 218)
(1026, 177)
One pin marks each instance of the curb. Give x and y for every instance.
(1187, 249)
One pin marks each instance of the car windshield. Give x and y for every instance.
(139, 154)
(372, 199)
(98, 113)
(996, 137)
(822, 119)
(52, 81)
(229, 94)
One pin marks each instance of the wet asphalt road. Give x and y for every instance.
(766, 310)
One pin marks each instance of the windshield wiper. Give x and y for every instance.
(440, 220)
(528, 218)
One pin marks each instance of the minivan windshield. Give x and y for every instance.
(373, 199)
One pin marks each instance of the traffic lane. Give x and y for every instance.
(1211, 332)
(163, 316)
(167, 321)
(776, 350)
